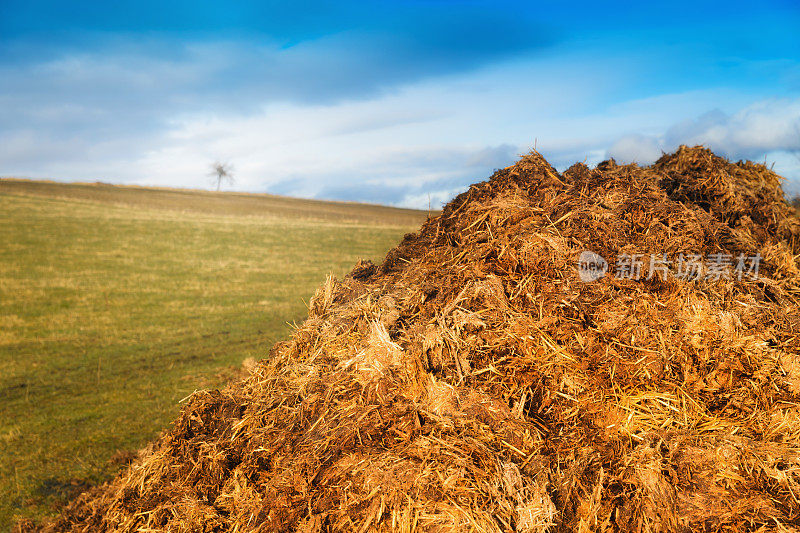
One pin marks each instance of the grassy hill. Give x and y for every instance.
(215, 203)
(117, 302)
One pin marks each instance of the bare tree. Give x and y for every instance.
(221, 172)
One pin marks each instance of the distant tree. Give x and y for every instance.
(220, 173)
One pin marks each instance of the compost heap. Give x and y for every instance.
(473, 382)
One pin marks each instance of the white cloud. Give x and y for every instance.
(766, 130)
(127, 118)
(641, 149)
(764, 126)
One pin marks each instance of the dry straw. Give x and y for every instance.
(473, 382)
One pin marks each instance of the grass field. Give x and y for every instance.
(117, 302)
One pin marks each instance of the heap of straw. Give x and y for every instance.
(475, 381)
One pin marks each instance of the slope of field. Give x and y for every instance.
(213, 203)
(116, 303)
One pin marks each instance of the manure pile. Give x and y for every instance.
(475, 382)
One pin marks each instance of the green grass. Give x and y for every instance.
(115, 307)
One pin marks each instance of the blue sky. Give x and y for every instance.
(389, 102)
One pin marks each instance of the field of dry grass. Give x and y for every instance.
(117, 302)
(214, 203)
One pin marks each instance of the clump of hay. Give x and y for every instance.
(473, 382)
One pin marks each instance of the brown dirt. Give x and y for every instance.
(474, 382)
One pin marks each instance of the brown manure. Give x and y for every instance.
(475, 382)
